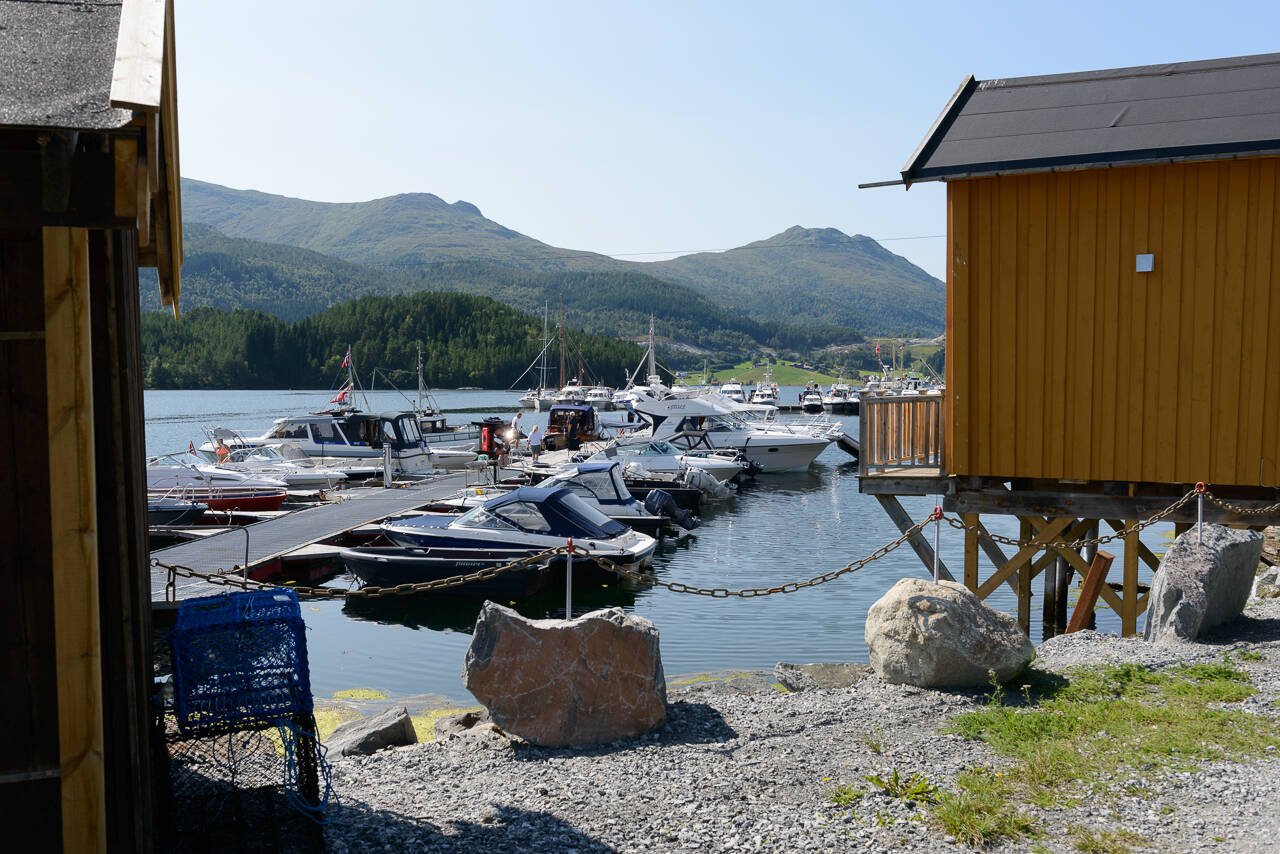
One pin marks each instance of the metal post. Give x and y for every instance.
(1200, 489)
(387, 475)
(937, 532)
(568, 582)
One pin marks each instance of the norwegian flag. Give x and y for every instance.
(877, 349)
(341, 396)
(346, 360)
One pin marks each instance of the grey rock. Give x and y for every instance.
(1267, 584)
(819, 675)
(591, 680)
(392, 728)
(1202, 582)
(941, 635)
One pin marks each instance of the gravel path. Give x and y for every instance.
(742, 766)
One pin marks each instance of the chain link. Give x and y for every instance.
(752, 592)
(1243, 511)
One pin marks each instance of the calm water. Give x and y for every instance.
(779, 528)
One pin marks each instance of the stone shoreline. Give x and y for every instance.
(741, 765)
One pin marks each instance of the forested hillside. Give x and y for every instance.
(466, 341)
(292, 283)
(801, 277)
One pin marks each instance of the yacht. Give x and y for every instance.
(599, 397)
(733, 391)
(573, 392)
(219, 489)
(688, 422)
(839, 398)
(811, 400)
(665, 458)
(766, 390)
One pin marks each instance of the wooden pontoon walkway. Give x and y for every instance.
(275, 537)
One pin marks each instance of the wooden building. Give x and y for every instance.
(1113, 326)
(88, 192)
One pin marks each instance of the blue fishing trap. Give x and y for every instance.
(239, 659)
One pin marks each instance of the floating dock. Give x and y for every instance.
(253, 545)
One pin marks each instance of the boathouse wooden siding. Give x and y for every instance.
(1063, 362)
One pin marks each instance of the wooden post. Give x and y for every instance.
(1090, 589)
(73, 518)
(1062, 568)
(971, 553)
(1024, 582)
(1049, 613)
(1129, 594)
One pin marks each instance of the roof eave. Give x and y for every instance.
(939, 129)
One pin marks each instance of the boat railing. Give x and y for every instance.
(900, 432)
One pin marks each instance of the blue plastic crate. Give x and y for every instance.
(239, 658)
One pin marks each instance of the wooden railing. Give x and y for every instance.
(900, 432)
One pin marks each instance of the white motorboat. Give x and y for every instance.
(733, 391)
(599, 397)
(839, 398)
(665, 458)
(285, 462)
(572, 392)
(766, 390)
(689, 422)
(181, 476)
(811, 400)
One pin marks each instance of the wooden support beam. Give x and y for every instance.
(125, 151)
(1129, 604)
(971, 553)
(1024, 583)
(73, 523)
(1144, 551)
(993, 552)
(1094, 583)
(1009, 568)
(1098, 506)
(921, 546)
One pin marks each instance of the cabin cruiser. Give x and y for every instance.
(524, 522)
(599, 397)
(733, 391)
(811, 400)
(573, 392)
(839, 398)
(348, 435)
(665, 458)
(687, 422)
(539, 400)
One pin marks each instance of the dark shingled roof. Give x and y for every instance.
(56, 61)
(1187, 110)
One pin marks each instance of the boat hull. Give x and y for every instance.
(388, 567)
(229, 498)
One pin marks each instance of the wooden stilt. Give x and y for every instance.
(971, 553)
(1024, 583)
(1129, 597)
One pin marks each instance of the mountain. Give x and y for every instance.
(801, 276)
(292, 283)
(817, 274)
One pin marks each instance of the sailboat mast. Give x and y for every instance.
(560, 331)
(420, 383)
(653, 367)
(546, 342)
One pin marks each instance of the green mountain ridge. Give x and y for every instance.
(798, 277)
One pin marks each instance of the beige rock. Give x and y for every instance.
(941, 635)
(591, 680)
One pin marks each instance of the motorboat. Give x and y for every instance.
(350, 434)
(285, 462)
(700, 421)
(600, 486)
(219, 489)
(733, 391)
(599, 397)
(528, 520)
(839, 398)
(573, 392)
(168, 510)
(382, 566)
(537, 399)
(811, 400)
(663, 457)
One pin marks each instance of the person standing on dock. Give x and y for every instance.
(535, 442)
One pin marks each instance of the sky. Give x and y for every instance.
(638, 130)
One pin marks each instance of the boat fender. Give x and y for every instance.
(660, 503)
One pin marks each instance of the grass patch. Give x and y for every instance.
(359, 694)
(981, 810)
(845, 795)
(1095, 841)
(424, 723)
(1250, 655)
(911, 789)
(1069, 736)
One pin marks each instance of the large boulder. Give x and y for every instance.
(1202, 581)
(392, 728)
(591, 680)
(942, 636)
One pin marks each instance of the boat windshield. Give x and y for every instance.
(289, 430)
(263, 454)
(591, 522)
(592, 485)
(409, 427)
(482, 518)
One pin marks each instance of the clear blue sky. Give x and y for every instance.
(637, 127)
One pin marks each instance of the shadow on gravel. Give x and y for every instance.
(687, 723)
(355, 829)
(1243, 629)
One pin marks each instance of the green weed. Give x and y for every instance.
(1093, 841)
(845, 795)
(980, 811)
(910, 789)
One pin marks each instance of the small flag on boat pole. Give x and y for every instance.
(341, 396)
(346, 360)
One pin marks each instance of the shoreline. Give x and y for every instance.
(743, 766)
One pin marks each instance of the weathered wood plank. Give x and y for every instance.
(73, 521)
(1094, 583)
(137, 77)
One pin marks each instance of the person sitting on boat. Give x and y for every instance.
(222, 450)
(535, 442)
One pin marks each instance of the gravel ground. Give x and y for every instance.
(742, 766)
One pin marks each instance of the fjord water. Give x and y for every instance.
(778, 528)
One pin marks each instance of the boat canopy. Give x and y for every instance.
(599, 481)
(540, 510)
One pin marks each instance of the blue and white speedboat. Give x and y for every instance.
(532, 519)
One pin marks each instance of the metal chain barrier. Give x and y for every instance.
(1243, 511)
(752, 592)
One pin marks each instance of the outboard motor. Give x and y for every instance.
(660, 503)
